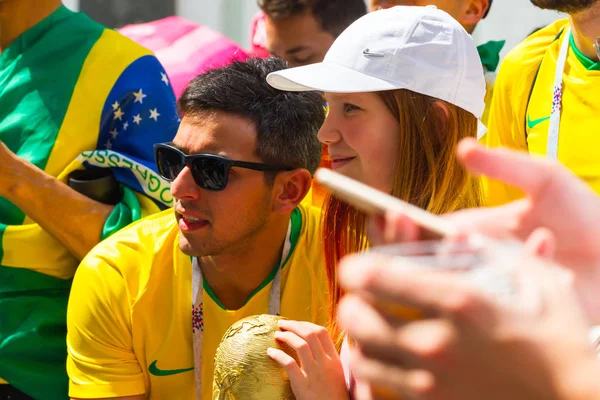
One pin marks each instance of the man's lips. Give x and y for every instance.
(189, 222)
(187, 225)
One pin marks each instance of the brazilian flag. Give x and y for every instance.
(73, 95)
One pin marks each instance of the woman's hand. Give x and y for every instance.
(320, 374)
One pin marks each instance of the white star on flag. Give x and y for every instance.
(139, 96)
(137, 119)
(154, 114)
(125, 125)
(119, 114)
(108, 144)
(164, 78)
(114, 133)
(116, 105)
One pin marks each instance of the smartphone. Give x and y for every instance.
(376, 202)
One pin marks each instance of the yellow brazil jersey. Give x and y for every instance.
(522, 104)
(130, 311)
(489, 53)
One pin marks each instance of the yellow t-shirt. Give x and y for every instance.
(522, 103)
(130, 311)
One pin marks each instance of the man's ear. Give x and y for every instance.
(473, 14)
(289, 189)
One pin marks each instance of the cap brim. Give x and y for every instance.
(327, 77)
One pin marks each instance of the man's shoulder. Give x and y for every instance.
(529, 53)
(311, 220)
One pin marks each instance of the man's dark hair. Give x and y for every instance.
(334, 16)
(286, 123)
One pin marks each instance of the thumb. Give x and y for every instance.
(515, 168)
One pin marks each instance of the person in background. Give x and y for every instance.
(469, 13)
(497, 351)
(301, 32)
(150, 305)
(80, 107)
(400, 100)
(545, 101)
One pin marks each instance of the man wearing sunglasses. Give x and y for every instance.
(150, 305)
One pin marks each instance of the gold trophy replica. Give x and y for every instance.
(243, 370)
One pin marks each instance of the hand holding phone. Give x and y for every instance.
(376, 202)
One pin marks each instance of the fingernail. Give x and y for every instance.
(282, 323)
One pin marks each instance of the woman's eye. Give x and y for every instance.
(350, 107)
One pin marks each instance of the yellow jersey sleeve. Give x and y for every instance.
(507, 118)
(101, 361)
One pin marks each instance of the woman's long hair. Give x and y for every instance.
(427, 175)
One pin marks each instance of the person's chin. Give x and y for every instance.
(351, 168)
(191, 247)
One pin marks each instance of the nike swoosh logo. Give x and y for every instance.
(368, 52)
(154, 370)
(531, 124)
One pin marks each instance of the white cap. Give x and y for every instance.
(422, 49)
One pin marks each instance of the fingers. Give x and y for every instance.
(400, 228)
(387, 381)
(497, 222)
(528, 173)
(368, 326)
(397, 228)
(287, 362)
(316, 336)
(416, 344)
(375, 229)
(299, 345)
(428, 291)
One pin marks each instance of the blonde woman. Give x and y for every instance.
(404, 85)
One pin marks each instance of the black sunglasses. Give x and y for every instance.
(209, 171)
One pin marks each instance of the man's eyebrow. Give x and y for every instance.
(178, 147)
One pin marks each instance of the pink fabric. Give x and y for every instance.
(258, 36)
(185, 49)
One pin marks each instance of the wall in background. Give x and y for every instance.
(118, 13)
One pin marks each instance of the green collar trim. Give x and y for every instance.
(33, 34)
(588, 63)
(296, 220)
(489, 53)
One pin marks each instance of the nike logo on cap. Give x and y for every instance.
(532, 123)
(154, 370)
(368, 52)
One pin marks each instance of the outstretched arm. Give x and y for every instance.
(73, 219)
